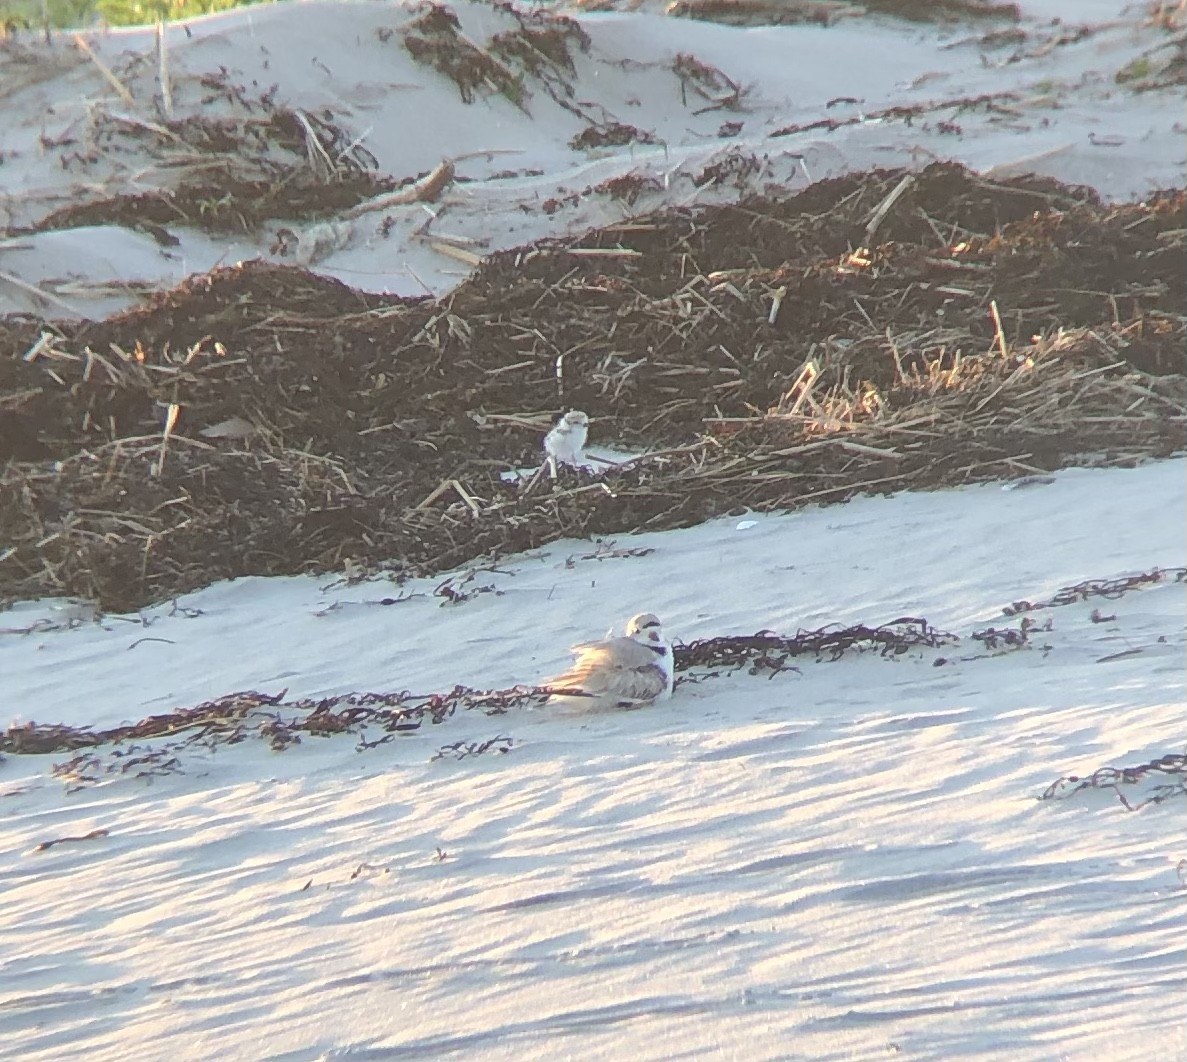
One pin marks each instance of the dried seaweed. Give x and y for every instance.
(234, 718)
(767, 651)
(91, 835)
(462, 750)
(237, 717)
(610, 134)
(868, 335)
(434, 37)
(826, 12)
(229, 173)
(998, 640)
(1106, 588)
(1172, 766)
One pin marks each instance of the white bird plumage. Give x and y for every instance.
(627, 672)
(565, 443)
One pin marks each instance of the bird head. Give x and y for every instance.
(645, 627)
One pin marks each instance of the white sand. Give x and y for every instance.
(845, 863)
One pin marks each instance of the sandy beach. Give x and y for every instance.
(969, 849)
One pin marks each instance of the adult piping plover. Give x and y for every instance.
(565, 443)
(626, 672)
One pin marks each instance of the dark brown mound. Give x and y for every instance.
(380, 426)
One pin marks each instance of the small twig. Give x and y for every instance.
(170, 422)
(105, 70)
(604, 252)
(52, 299)
(467, 497)
(35, 351)
(885, 207)
(427, 189)
(458, 489)
(997, 329)
(163, 70)
(777, 297)
(458, 253)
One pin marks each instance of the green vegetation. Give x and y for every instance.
(81, 14)
(1138, 70)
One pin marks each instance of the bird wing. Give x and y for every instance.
(617, 669)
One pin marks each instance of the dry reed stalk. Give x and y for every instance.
(457, 253)
(885, 208)
(319, 159)
(36, 350)
(998, 332)
(425, 190)
(163, 70)
(39, 293)
(105, 70)
(603, 252)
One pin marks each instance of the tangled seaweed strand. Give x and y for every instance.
(231, 719)
(461, 750)
(1107, 588)
(767, 650)
(1173, 765)
(996, 638)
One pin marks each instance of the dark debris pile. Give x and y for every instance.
(262, 420)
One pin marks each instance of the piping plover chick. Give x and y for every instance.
(565, 443)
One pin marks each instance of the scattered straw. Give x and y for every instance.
(171, 415)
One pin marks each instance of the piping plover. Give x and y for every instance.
(627, 672)
(565, 443)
